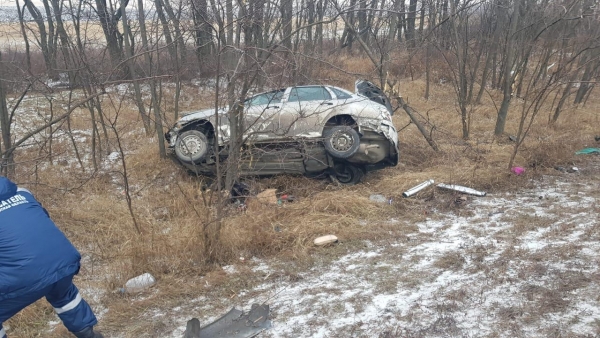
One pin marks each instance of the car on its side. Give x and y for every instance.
(309, 130)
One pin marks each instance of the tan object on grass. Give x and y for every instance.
(323, 240)
(267, 196)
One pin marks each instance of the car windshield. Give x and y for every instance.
(266, 98)
(316, 93)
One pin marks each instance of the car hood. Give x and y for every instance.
(373, 93)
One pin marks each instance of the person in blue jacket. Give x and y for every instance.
(37, 260)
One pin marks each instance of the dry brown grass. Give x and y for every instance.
(171, 210)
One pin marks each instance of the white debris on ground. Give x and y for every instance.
(515, 264)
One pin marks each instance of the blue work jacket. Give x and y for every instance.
(34, 253)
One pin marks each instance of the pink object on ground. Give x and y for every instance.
(518, 170)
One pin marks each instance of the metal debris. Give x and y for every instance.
(234, 324)
(417, 188)
(462, 189)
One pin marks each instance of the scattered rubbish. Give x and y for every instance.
(417, 188)
(267, 196)
(461, 199)
(462, 189)
(517, 170)
(139, 283)
(495, 213)
(587, 151)
(512, 138)
(234, 324)
(568, 170)
(239, 192)
(597, 138)
(324, 240)
(239, 205)
(379, 199)
(286, 198)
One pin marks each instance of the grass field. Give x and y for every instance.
(435, 265)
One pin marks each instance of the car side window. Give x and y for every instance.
(266, 98)
(341, 95)
(316, 93)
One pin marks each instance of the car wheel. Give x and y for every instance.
(347, 174)
(191, 146)
(341, 141)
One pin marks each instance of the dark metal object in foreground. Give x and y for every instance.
(234, 324)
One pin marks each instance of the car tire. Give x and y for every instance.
(191, 146)
(347, 174)
(341, 141)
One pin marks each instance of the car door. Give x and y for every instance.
(261, 114)
(302, 113)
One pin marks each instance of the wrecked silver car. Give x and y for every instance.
(309, 130)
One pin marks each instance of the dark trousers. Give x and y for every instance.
(63, 295)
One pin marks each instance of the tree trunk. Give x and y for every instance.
(165, 27)
(109, 22)
(422, 19)
(177, 27)
(410, 23)
(508, 74)
(43, 39)
(310, 42)
(51, 34)
(584, 86)
(319, 29)
(202, 30)
(6, 161)
(64, 42)
(21, 11)
(131, 70)
(155, 96)
(461, 43)
(229, 15)
(565, 95)
(286, 17)
(362, 20)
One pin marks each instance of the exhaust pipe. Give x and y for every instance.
(417, 188)
(462, 189)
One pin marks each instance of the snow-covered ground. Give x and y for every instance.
(521, 264)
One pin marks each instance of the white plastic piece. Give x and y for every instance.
(462, 189)
(378, 199)
(417, 188)
(323, 240)
(140, 283)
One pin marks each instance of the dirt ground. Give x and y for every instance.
(521, 263)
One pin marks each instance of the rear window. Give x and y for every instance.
(340, 94)
(309, 94)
